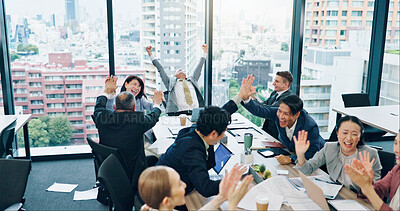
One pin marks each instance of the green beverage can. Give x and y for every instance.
(248, 141)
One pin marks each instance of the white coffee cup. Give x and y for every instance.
(262, 202)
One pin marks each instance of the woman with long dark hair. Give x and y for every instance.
(135, 85)
(336, 155)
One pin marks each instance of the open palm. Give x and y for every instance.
(301, 142)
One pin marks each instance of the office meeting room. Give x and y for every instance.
(199, 105)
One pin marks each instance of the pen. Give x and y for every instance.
(329, 182)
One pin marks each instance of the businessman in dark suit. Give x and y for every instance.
(192, 153)
(123, 128)
(289, 118)
(282, 82)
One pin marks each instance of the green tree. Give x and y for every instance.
(284, 47)
(28, 48)
(233, 90)
(60, 131)
(14, 56)
(38, 135)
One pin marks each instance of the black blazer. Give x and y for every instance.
(269, 126)
(124, 130)
(187, 155)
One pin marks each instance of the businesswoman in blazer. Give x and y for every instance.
(135, 85)
(336, 155)
(162, 189)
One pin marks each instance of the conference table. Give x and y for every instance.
(165, 131)
(385, 118)
(21, 122)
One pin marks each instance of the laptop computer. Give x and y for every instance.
(222, 155)
(196, 114)
(314, 192)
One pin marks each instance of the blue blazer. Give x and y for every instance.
(187, 155)
(304, 122)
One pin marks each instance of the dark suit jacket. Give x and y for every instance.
(188, 157)
(124, 130)
(269, 126)
(304, 122)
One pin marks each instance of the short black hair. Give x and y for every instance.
(294, 102)
(213, 118)
(141, 83)
(356, 120)
(287, 75)
(125, 101)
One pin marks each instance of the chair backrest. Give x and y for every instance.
(7, 138)
(112, 175)
(355, 100)
(101, 152)
(388, 161)
(14, 176)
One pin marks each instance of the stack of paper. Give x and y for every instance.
(60, 187)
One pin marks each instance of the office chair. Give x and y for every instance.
(116, 182)
(388, 161)
(100, 153)
(361, 100)
(14, 177)
(7, 138)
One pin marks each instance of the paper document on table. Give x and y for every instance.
(347, 205)
(174, 130)
(329, 188)
(86, 195)
(162, 145)
(278, 189)
(60, 187)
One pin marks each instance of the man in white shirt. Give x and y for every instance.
(183, 92)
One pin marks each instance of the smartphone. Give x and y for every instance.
(266, 153)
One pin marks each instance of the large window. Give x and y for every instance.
(174, 29)
(390, 83)
(54, 46)
(336, 63)
(249, 37)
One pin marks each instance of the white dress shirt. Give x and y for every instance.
(181, 99)
(290, 131)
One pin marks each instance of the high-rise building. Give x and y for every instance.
(328, 22)
(72, 14)
(170, 27)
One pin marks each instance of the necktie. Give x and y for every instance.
(186, 90)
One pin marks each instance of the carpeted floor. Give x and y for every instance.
(45, 173)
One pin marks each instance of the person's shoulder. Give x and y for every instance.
(369, 149)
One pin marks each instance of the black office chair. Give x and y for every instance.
(388, 161)
(100, 153)
(14, 177)
(116, 182)
(361, 100)
(7, 138)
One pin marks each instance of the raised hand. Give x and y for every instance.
(148, 49)
(230, 180)
(158, 97)
(246, 88)
(240, 191)
(110, 84)
(364, 164)
(360, 178)
(205, 48)
(301, 143)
